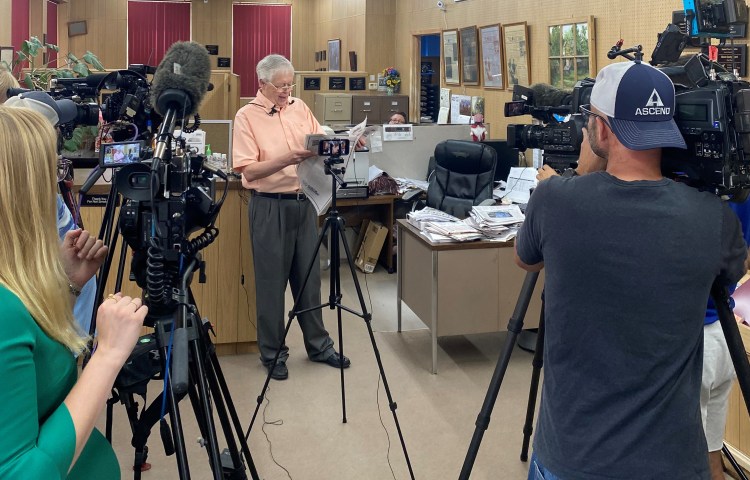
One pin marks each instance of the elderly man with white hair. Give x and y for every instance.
(268, 144)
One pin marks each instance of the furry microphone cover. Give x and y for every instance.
(186, 67)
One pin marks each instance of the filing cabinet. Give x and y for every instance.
(377, 108)
(333, 108)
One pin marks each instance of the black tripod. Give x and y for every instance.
(335, 225)
(515, 325)
(194, 372)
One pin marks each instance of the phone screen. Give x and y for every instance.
(333, 147)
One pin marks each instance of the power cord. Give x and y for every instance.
(245, 199)
(276, 423)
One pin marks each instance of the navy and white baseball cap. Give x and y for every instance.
(56, 111)
(639, 101)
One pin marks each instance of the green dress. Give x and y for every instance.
(37, 437)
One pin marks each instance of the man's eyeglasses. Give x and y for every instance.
(584, 109)
(283, 88)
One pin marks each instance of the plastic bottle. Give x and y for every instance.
(208, 150)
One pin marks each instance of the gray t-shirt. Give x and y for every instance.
(628, 270)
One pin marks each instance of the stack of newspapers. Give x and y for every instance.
(496, 222)
(438, 226)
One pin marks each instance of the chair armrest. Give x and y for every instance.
(488, 202)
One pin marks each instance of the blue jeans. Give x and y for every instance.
(538, 472)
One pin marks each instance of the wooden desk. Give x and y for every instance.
(376, 207)
(460, 288)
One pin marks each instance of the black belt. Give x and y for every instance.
(299, 196)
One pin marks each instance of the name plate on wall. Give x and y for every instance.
(337, 83)
(393, 133)
(357, 83)
(312, 83)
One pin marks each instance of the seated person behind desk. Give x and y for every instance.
(397, 118)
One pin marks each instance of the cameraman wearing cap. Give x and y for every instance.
(624, 307)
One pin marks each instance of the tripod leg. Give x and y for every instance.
(515, 325)
(219, 384)
(292, 313)
(368, 322)
(334, 299)
(537, 362)
(206, 420)
(734, 341)
(734, 463)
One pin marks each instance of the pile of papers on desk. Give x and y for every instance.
(438, 226)
(496, 222)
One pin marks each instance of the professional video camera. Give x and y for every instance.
(170, 195)
(712, 107)
(561, 134)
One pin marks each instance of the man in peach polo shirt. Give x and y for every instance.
(268, 144)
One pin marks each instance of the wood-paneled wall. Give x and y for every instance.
(5, 22)
(637, 22)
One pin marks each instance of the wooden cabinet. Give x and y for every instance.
(377, 108)
(223, 101)
(333, 108)
(227, 298)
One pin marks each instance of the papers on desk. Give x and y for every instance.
(492, 223)
(406, 184)
(519, 184)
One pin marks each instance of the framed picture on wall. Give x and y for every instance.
(516, 49)
(492, 56)
(334, 55)
(469, 56)
(451, 63)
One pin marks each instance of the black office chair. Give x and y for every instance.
(463, 177)
(507, 157)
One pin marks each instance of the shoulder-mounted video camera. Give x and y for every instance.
(712, 105)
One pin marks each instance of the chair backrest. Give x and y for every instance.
(463, 177)
(507, 157)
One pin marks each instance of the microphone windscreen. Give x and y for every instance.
(549, 96)
(186, 67)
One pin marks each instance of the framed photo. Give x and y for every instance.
(492, 56)
(571, 51)
(451, 63)
(334, 55)
(516, 49)
(469, 55)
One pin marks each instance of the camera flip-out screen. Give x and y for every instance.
(113, 155)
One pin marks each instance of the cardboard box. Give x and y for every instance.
(372, 244)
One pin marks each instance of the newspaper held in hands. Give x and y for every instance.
(311, 172)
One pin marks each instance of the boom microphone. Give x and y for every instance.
(549, 96)
(180, 83)
(181, 79)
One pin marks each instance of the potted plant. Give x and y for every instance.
(38, 73)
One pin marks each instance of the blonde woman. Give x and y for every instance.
(7, 80)
(47, 416)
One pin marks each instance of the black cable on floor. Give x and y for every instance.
(276, 423)
(387, 435)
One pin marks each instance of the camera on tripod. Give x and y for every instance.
(712, 107)
(561, 133)
(159, 215)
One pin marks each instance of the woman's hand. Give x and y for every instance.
(81, 256)
(118, 324)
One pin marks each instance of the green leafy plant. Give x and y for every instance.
(37, 76)
(39, 73)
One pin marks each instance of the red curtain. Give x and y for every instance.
(257, 31)
(19, 29)
(153, 27)
(52, 30)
